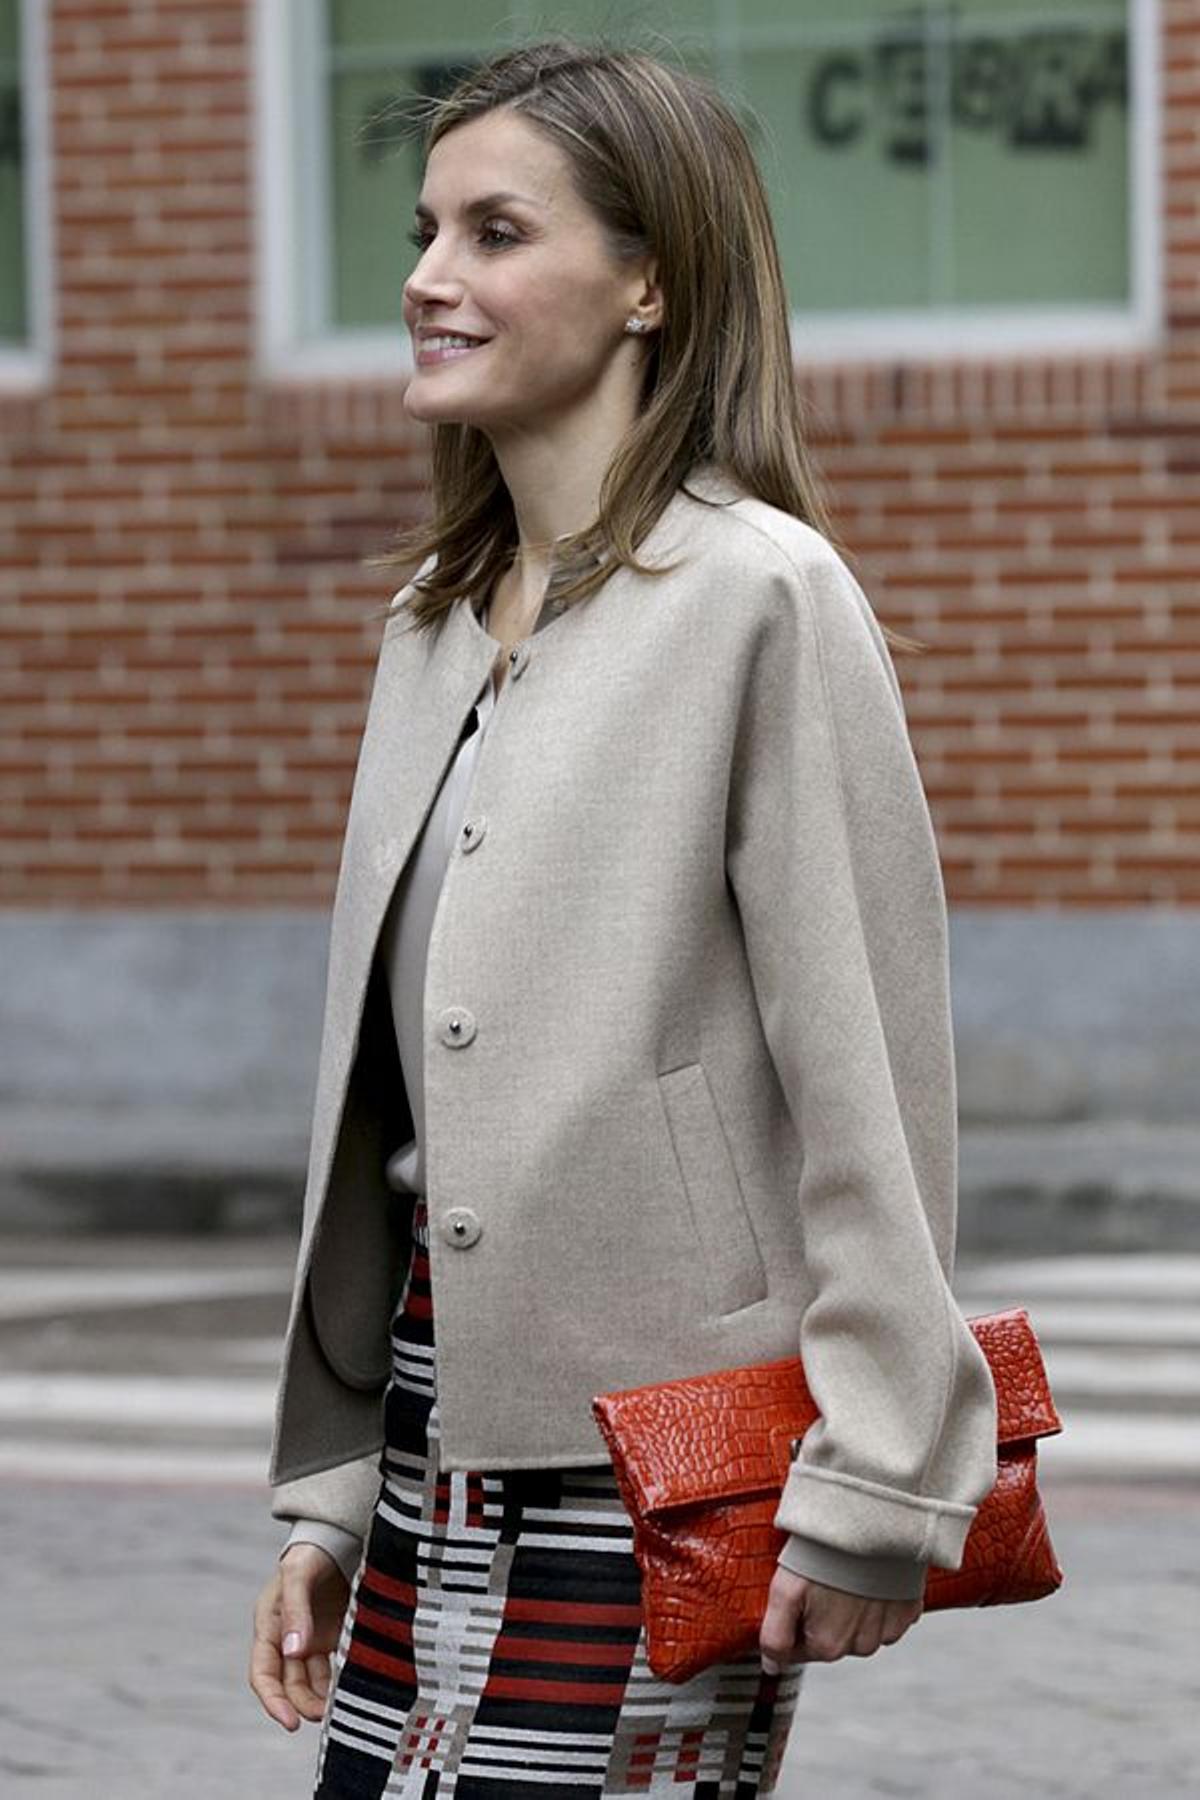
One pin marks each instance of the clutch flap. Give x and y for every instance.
(729, 1434)
(1024, 1405)
(724, 1435)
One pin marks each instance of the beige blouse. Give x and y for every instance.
(404, 939)
(404, 944)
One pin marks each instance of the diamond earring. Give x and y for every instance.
(635, 324)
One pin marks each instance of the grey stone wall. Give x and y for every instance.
(1072, 1015)
(157, 1068)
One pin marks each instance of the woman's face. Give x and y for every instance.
(530, 277)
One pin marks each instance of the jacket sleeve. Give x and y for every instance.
(875, 1577)
(342, 1546)
(833, 863)
(331, 1508)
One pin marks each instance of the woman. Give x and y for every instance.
(637, 1057)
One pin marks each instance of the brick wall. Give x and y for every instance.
(187, 646)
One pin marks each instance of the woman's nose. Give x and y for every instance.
(431, 277)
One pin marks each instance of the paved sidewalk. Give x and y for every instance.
(132, 1609)
(134, 1419)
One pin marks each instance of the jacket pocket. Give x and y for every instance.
(720, 1219)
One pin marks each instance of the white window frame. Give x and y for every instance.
(295, 261)
(26, 367)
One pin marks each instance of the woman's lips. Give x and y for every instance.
(429, 353)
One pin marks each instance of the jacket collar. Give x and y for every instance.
(710, 481)
(705, 480)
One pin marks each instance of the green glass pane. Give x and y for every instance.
(389, 25)
(13, 320)
(984, 166)
(1039, 154)
(376, 175)
(822, 20)
(395, 27)
(852, 224)
(658, 27)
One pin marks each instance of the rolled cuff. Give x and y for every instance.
(864, 1518)
(875, 1577)
(343, 1546)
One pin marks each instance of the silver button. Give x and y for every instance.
(456, 1026)
(472, 832)
(461, 1227)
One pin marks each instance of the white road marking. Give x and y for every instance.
(1139, 1274)
(1115, 1443)
(178, 1401)
(1120, 1334)
(132, 1463)
(1140, 1374)
(24, 1293)
(1098, 1322)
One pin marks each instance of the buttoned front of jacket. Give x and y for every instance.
(689, 1088)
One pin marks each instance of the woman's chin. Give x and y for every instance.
(427, 409)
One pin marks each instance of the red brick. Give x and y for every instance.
(183, 539)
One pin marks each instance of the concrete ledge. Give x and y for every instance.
(149, 1169)
(1099, 1184)
(157, 1071)
(1070, 1015)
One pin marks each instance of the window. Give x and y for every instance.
(946, 156)
(14, 308)
(24, 198)
(942, 176)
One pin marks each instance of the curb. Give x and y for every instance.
(1113, 1185)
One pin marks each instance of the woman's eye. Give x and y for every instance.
(488, 230)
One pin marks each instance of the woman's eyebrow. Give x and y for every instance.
(472, 207)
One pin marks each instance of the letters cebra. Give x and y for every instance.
(689, 1074)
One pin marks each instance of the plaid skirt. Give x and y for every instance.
(493, 1646)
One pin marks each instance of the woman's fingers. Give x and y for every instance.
(886, 1623)
(289, 1659)
(309, 1701)
(296, 1576)
(305, 1669)
(869, 1635)
(266, 1663)
(780, 1626)
(808, 1622)
(899, 1616)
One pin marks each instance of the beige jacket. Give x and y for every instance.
(689, 1076)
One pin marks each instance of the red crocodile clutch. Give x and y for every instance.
(701, 1462)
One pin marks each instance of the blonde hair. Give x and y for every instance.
(662, 161)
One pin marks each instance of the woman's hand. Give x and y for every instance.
(297, 1622)
(806, 1622)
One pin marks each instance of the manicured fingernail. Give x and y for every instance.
(771, 1668)
(291, 1643)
